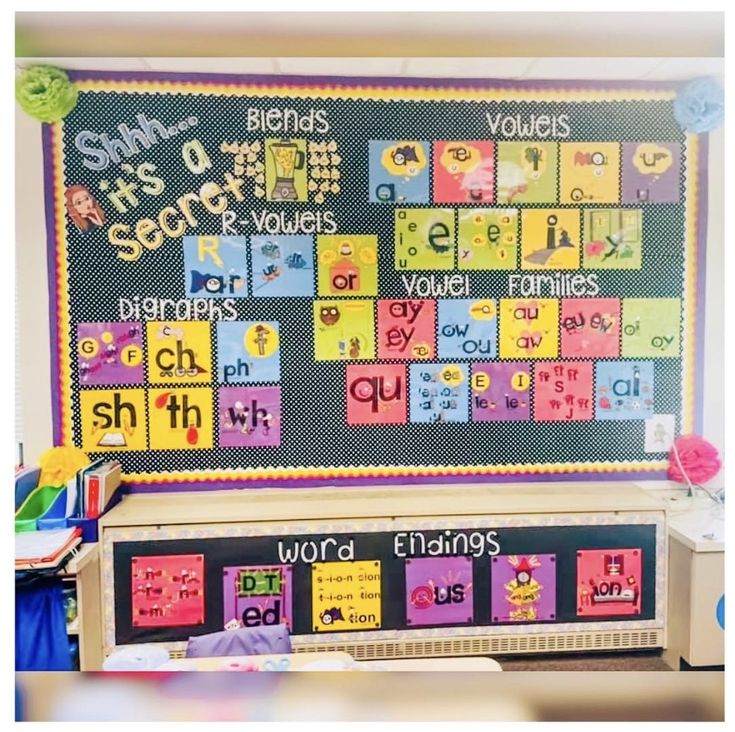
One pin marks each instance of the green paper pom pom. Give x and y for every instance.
(45, 93)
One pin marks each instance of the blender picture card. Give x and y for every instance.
(110, 353)
(283, 265)
(216, 266)
(464, 171)
(399, 171)
(285, 169)
(248, 351)
(487, 238)
(439, 591)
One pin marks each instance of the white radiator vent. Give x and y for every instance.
(488, 645)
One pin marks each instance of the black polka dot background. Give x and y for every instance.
(314, 431)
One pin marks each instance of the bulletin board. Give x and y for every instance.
(292, 280)
(344, 582)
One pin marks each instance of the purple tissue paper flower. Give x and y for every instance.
(700, 106)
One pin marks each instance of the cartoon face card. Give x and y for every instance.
(258, 595)
(406, 329)
(399, 171)
(439, 392)
(376, 394)
(562, 391)
(609, 582)
(344, 330)
(612, 238)
(467, 329)
(523, 588)
(589, 172)
(487, 238)
(110, 353)
(283, 265)
(424, 238)
(529, 328)
(550, 239)
(216, 266)
(167, 590)
(651, 327)
(249, 416)
(623, 390)
(348, 265)
(590, 327)
(248, 351)
(439, 591)
(526, 172)
(179, 352)
(464, 171)
(651, 172)
(113, 419)
(500, 392)
(180, 419)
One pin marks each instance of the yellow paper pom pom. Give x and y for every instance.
(59, 464)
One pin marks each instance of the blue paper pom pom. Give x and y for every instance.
(700, 106)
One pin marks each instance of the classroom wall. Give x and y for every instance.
(31, 268)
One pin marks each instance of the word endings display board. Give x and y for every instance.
(482, 576)
(288, 281)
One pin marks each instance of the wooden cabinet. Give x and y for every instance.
(83, 570)
(354, 566)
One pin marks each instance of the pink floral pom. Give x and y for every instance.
(698, 458)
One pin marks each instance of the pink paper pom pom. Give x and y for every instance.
(698, 458)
